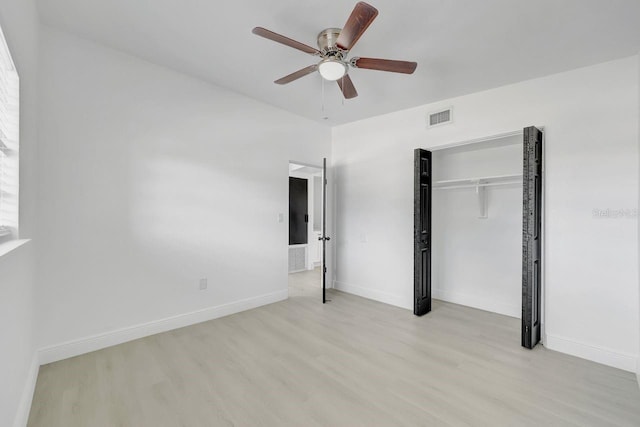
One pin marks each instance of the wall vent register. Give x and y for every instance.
(440, 117)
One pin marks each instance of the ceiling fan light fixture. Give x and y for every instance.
(332, 69)
(334, 46)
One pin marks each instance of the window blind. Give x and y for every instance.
(9, 135)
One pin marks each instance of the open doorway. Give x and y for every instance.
(478, 219)
(305, 230)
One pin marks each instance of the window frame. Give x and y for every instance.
(9, 143)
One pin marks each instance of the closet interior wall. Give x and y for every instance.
(477, 225)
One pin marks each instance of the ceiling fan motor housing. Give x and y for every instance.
(327, 42)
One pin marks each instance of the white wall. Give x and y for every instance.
(638, 360)
(151, 180)
(18, 362)
(590, 117)
(18, 367)
(478, 261)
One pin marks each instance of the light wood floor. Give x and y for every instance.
(306, 284)
(351, 362)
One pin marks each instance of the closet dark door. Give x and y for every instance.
(531, 237)
(298, 211)
(422, 232)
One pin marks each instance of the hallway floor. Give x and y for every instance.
(306, 283)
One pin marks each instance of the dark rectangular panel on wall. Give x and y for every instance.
(298, 211)
(531, 236)
(422, 232)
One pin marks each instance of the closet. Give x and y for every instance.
(478, 233)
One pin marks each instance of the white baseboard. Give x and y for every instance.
(24, 407)
(385, 297)
(96, 342)
(594, 353)
(487, 304)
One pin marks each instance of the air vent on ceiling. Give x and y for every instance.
(440, 117)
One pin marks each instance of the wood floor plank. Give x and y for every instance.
(351, 362)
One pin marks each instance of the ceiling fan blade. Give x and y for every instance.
(361, 17)
(263, 32)
(404, 67)
(346, 86)
(295, 76)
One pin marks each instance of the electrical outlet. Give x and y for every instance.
(203, 284)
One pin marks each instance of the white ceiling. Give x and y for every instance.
(461, 46)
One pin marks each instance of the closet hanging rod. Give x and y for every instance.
(478, 180)
(476, 185)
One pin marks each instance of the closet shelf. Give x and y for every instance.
(486, 181)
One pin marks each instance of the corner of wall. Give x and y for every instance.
(638, 266)
(396, 300)
(88, 344)
(26, 398)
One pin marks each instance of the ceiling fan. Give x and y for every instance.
(334, 45)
